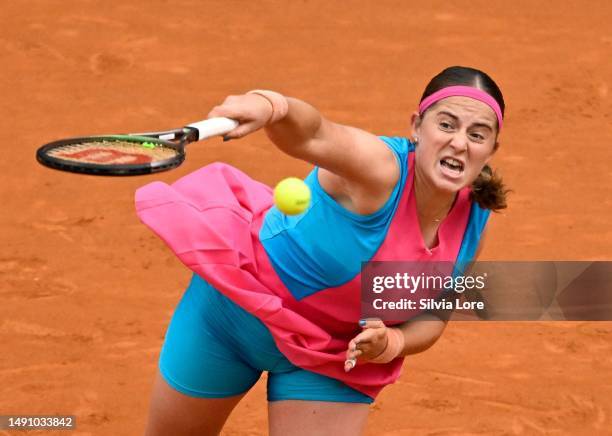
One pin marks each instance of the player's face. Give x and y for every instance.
(457, 137)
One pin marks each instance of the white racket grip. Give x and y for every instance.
(213, 127)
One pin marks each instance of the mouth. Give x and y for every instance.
(451, 167)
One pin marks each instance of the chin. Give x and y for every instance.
(447, 186)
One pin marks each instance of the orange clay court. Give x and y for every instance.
(87, 291)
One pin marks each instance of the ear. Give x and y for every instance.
(415, 124)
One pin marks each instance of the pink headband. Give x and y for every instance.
(462, 91)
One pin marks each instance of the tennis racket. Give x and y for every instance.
(131, 154)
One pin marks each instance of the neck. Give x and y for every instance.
(432, 204)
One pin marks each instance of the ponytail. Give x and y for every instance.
(489, 191)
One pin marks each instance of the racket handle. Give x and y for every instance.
(213, 127)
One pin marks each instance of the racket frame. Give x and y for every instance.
(175, 139)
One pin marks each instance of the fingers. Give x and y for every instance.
(250, 110)
(241, 131)
(230, 109)
(367, 344)
(371, 323)
(353, 353)
(369, 336)
(349, 364)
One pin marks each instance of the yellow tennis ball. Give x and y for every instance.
(292, 196)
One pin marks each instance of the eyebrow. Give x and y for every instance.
(456, 118)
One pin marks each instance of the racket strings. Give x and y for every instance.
(113, 152)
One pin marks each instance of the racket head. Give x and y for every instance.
(112, 155)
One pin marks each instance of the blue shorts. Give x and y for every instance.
(214, 349)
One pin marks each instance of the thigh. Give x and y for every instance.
(198, 357)
(174, 413)
(202, 376)
(289, 382)
(302, 402)
(322, 418)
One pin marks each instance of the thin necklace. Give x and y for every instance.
(437, 220)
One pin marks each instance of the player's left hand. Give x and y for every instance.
(368, 344)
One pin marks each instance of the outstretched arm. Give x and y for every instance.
(357, 168)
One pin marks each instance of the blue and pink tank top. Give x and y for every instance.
(300, 275)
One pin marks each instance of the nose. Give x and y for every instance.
(459, 141)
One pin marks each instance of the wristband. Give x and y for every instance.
(395, 345)
(280, 105)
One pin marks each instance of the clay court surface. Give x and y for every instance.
(87, 291)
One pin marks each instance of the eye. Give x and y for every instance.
(446, 125)
(477, 136)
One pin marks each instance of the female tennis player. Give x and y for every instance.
(281, 293)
